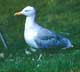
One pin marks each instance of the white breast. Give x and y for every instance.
(29, 36)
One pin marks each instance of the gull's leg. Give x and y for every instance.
(39, 58)
(33, 49)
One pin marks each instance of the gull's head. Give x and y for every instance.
(27, 11)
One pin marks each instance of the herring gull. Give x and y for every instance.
(37, 36)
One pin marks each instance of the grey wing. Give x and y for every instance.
(46, 39)
(46, 34)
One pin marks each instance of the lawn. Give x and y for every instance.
(60, 16)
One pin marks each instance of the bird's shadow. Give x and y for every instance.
(52, 51)
(41, 54)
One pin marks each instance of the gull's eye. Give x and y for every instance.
(27, 10)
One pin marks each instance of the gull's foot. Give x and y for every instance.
(30, 51)
(27, 52)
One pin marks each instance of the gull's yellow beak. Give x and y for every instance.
(17, 14)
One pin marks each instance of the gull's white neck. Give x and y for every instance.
(30, 21)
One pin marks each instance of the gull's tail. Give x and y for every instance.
(67, 43)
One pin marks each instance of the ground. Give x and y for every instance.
(61, 16)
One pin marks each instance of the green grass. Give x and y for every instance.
(61, 16)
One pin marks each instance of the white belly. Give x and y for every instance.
(29, 36)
